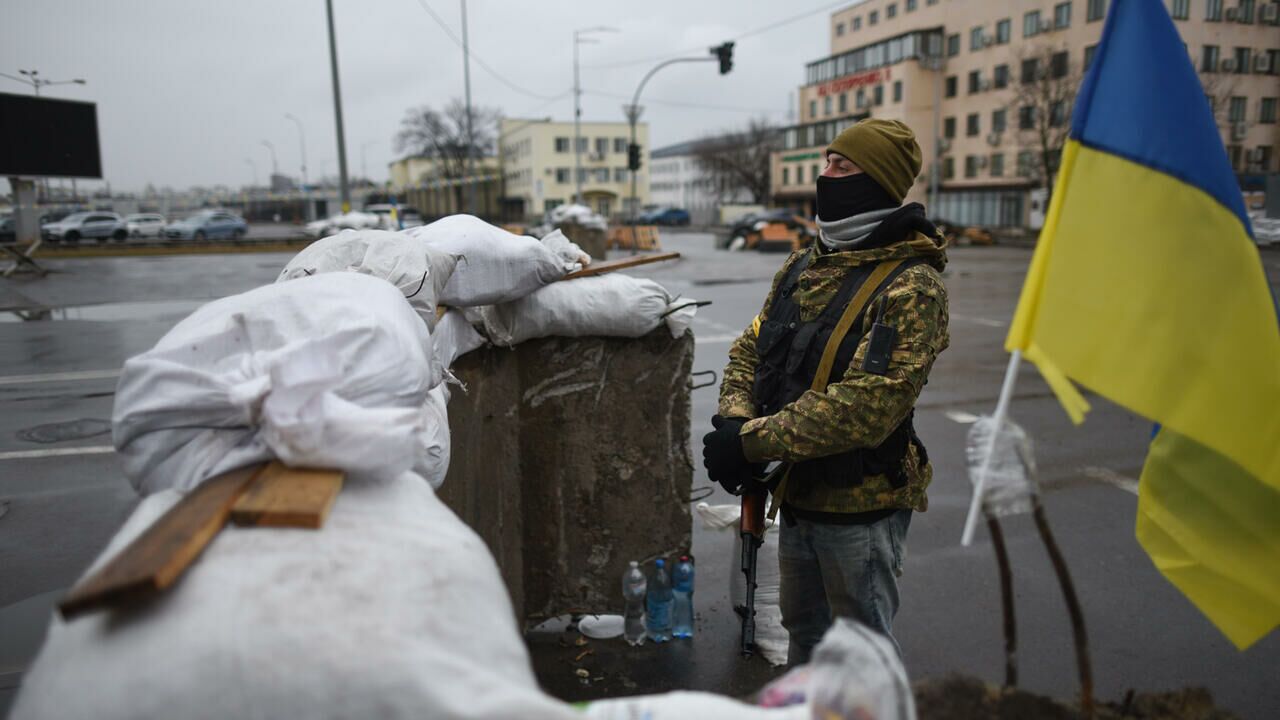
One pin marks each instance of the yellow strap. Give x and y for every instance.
(821, 378)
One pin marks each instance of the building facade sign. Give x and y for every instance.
(839, 85)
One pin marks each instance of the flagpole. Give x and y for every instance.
(1002, 409)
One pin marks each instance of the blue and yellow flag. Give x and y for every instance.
(1147, 288)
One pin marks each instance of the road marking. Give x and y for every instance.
(1111, 477)
(714, 325)
(57, 452)
(59, 377)
(987, 322)
(961, 417)
(711, 339)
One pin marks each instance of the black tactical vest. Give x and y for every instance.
(789, 352)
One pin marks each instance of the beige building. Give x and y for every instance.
(958, 72)
(538, 166)
(418, 183)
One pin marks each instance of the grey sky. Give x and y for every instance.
(187, 90)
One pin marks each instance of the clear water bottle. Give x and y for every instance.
(658, 601)
(633, 594)
(682, 582)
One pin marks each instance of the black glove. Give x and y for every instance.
(722, 453)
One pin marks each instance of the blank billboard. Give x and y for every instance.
(48, 138)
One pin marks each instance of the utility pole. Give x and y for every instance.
(337, 112)
(275, 167)
(578, 39)
(471, 138)
(302, 144)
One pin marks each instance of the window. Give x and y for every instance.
(1002, 32)
(1180, 9)
(948, 168)
(910, 6)
(971, 128)
(1031, 23)
(839, 29)
(861, 98)
(562, 174)
(890, 11)
(879, 94)
(1242, 60)
(1058, 113)
(602, 146)
(1096, 10)
(1245, 13)
(948, 127)
(1059, 64)
(1027, 117)
(857, 23)
(562, 144)
(1213, 10)
(619, 175)
(951, 86)
(826, 105)
(602, 175)
(1089, 51)
(1209, 59)
(813, 109)
(786, 176)
(897, 91)
(1233, 152)
(1000, 78)
(970, 166)
(873, 17)
(997, 165)
(813, 173)
(998, 120)
(1030, 69)
(975, 81)
(1237, 109)
(975, 38)
(1062, 16)
(844, 102)
(1026, 163)
(1264, 162)
(1267, 111)
(953, 45)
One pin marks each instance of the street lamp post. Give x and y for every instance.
(578, 39)
(337, 112)
(275, 169)
(302, 145)
(32, 78)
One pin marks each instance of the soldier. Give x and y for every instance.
(825, 380)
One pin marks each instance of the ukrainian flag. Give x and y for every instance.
(1147, 288)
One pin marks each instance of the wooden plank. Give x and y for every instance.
(158, 557)
(608, 266)
(282, 496)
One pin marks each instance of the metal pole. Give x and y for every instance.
(471, 140)
(577, 132)
(302, 145)
(337, 112)
(1002, 409)
(935, 170)
(275, 167)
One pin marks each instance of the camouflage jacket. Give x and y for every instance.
(860, 409)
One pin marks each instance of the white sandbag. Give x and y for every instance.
(682, 705)
(612, 305)
(394, 609)
(772, 639)
(454, 337)
(578, 215)
(435, 437)
(324, 371)
(418, 271)
(494, 266)
(857, 673)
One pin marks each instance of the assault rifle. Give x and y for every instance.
(755, 496)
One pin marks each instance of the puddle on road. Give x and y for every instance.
(106, 312)
(63, 431)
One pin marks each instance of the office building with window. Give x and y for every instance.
(537, 160)
(963, 74)
(677, 180)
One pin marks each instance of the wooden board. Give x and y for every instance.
(282, 496)
(158, 557)
(607, 266)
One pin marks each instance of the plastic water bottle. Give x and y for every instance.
(633, 593)
(682, 581)
(658, 601)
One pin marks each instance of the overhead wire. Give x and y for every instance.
(678, 103)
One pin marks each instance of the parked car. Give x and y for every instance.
(207, 225)
(665, 216)
(334, 224)
(7, 232)
(144, 225)
(406, 217)
(84, 225)
(747, 225)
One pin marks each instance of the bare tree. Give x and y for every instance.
(442, 136)
(1044, 94)
(738, 160)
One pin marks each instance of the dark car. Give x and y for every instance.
(754, 222)
(665, 216)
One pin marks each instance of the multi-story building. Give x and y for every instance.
(676, 180)
(538, 164)
(982, 82)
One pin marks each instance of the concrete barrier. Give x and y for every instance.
(571, 457)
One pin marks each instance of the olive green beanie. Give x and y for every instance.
(885, 149)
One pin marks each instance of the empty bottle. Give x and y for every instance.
(633, 594)
(682, 591)
(658, 601)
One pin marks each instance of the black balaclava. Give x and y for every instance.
(839, 198)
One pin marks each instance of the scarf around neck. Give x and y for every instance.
(850, 232)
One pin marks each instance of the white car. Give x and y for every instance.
(145, 225)
(100, 225)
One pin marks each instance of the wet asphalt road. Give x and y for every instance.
(62, 493)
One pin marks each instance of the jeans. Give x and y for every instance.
(831, 571)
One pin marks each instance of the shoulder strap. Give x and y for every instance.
(855, 308)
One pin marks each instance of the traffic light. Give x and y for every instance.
(633, 156)
(724, 53)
